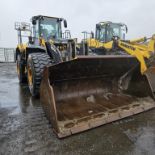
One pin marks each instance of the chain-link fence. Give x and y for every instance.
(7, 55)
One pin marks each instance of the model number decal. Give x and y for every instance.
(127, 46)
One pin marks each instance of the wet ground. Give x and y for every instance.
(25, 130)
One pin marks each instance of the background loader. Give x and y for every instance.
(104, 33)
(80, 92)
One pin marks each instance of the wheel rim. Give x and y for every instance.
(30, 78)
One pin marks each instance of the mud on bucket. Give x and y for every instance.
(85, 93)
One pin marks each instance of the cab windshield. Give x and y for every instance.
(113, 30)
(50, 28)
(106, 32)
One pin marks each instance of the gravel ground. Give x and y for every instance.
(25, 130)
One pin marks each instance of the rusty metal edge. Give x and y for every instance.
(108, 119)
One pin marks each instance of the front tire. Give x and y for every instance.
(35, 66)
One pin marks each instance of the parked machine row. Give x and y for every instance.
(84, 85)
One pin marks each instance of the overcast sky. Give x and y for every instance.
(80, 14)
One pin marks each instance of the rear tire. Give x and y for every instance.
(21, 69)
(35, 66)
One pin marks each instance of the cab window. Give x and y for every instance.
(50, 28)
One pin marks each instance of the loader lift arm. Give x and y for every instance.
(139, 49)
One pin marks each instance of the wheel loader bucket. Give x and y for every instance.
(91, 91)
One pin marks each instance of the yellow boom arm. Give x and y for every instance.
(140, 48)
(140, 51)
(97, 44)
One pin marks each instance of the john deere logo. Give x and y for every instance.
(127, 46)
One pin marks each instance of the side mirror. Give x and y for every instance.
(98, 26)
(65, 23)
(34, 22)
(126, 28)
(92, 34)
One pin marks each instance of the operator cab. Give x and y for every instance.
(105, 31)
(47, 27)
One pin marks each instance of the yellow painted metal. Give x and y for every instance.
(22, 47)
(97, 44)
(139, 50)
(139, 53)
(138, 40)
(42, 42)
(30, 76)
(151, 45)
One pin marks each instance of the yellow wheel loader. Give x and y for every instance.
(87, 91)
(46, 45)
(104, 33)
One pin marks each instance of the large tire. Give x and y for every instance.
(35, 66)
(21, 69)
